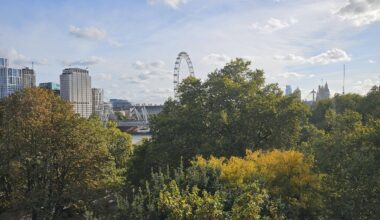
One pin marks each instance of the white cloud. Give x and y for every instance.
(92, 33)
(103, 76)
(161, 74)
(114, 85)
(139, 65)
(143, 76)
(157, 64)
(361, 12)
(163, 91)
(17, 58)
(292, 58)
(330, 56)
(216, 59)
(273, 25)
(114, 43)
(371, 61)
(85, 62)
(291, 75)
(133, 80)
(363, 87)
(171, 3)
(147, 71)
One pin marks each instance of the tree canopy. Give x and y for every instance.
(50, 158)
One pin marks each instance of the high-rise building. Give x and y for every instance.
(10, 79)
(288, 90)
(97, 101)
(55, 87)
(323, 92)
(28, 78)
(3, 62)
(76, 88)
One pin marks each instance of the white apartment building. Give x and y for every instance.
(97, 101)
(76, 89)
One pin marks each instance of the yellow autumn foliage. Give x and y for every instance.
(288, 175)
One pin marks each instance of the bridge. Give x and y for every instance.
(139, 118)
(134, 126)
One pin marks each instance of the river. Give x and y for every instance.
(136, 138)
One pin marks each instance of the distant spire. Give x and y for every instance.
(344, 77)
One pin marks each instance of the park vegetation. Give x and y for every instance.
(230, 147)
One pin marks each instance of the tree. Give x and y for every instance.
(349, 154)
(233, 110)
(119, 145)
(50, 158)
(370, 106)
(120, 116)
(339, 103)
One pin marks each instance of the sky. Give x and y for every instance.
(130, 46)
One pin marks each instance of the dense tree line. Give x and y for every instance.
(234, 110)
(230, 147)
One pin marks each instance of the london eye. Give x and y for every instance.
(181, 56)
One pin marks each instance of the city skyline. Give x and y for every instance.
(130, 46)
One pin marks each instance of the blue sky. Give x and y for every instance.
(130, 46)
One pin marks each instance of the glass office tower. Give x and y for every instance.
(10, 79)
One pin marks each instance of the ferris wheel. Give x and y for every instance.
(181, 56)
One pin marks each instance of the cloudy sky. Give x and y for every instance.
(130, 46)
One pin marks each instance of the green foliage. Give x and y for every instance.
(120, 116)
(370, 105)
(349, 155)
(49, 157)
(233, 110)
(347, 151)
(119, 145)
(185, 204)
